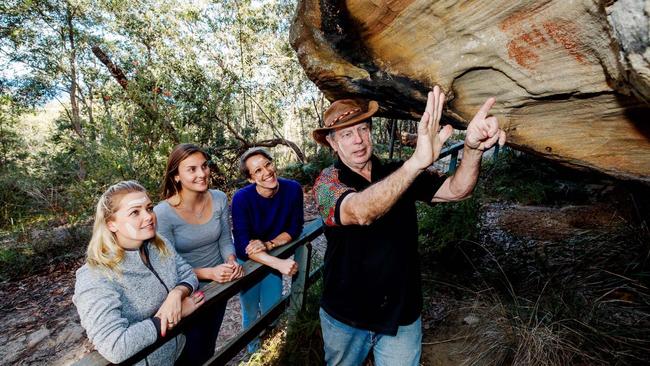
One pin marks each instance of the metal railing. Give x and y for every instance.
(218, 293)
(453, 151)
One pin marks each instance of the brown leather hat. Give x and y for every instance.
(344, 113)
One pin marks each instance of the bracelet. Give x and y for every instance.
(269, 245)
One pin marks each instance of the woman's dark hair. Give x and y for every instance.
(179, 153)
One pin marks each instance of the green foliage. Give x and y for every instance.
(221, 75)
(306, 173)
(42, 247)
(445, 223)
(11, 153)
(519, 178)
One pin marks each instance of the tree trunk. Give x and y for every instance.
(121, 79)
(75, 118)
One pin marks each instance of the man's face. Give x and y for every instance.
(353, 144)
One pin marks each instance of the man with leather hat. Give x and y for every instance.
(372, 295)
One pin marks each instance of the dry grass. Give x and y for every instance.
(505, 338)
(591, 307)
(271, 348)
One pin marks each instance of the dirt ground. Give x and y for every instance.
(533, 229)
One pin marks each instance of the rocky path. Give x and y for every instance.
(40, 323)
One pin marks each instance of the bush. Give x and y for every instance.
(446, 223)
(307, 173)
(29, 252)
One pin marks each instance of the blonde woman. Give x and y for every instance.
(196, 221)
(134, 287)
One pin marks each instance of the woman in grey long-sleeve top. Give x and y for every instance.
(196, 221)
(133, 287)
(205, 245)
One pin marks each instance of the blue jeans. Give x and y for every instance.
(349, 346)
(257, 300)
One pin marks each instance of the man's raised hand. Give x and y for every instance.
(483, 131)
(430, 136)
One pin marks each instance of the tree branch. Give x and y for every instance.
(282, 141)
(115, 71)
(317, 113)
(121, 79)
(277, 133)
(232, 130)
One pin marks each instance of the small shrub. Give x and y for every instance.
(29, 253)
(445, 223)
(307, 173)
(517, 177)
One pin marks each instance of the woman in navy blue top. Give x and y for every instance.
(265, 214)
(195, 220)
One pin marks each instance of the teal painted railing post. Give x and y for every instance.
(453, 162)
(299, 284)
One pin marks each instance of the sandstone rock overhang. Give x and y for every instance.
(572, 78)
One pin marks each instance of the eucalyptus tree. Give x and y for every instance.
(43, 44)
(135, 78)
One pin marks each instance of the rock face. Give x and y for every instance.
(572, 78)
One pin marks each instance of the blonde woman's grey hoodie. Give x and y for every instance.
(117, 310)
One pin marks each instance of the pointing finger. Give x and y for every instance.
(485, 108)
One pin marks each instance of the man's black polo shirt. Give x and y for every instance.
(372, 273)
